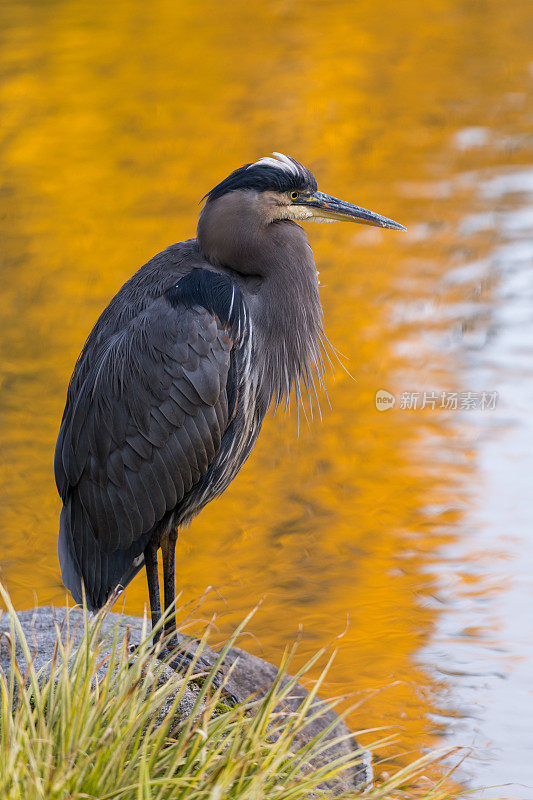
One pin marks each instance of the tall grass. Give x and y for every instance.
(99, 723)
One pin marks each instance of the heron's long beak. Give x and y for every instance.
(327, 207)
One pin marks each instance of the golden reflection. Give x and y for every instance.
(114, 123)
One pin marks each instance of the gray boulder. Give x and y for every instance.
(250, 675)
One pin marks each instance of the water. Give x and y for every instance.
(412, 524)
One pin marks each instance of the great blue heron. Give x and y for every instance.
(168, 395)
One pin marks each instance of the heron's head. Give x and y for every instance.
(278, 188)
(239, 223)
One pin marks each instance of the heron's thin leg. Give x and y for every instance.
(152, 575)
(184, 658)
(168, 548)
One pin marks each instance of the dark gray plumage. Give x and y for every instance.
(169, 393)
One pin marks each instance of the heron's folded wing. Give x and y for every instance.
(143, 426)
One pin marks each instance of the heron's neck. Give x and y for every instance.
(288, 314)
(231, 233)
(277, 264)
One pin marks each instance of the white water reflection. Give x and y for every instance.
(482, 645)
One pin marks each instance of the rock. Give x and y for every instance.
(250, 676)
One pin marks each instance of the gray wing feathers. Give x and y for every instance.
(145, 415)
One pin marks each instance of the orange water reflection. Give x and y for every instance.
(113, 124)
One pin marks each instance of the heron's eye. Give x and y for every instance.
(295, 195)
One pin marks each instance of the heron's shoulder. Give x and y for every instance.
(214, 291)
(164, 269)
(178, 277)
(146, 285)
